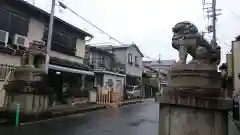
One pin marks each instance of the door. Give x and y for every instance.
(119, 87)
(55, 80)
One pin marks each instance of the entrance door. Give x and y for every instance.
(55, 81)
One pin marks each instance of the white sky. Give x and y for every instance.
(148, 23)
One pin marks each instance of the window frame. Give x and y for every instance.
(137, 64)
(130, 58)
(9, 18)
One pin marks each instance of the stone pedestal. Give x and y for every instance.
(185, 120)
(27, 88)
(193, 102)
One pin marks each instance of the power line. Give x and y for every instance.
(89, 22)
(233, 13)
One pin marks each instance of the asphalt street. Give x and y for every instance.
(137, 119)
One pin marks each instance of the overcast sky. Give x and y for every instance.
(148, 23)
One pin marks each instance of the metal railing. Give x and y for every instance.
(6, 72)
(104, 65)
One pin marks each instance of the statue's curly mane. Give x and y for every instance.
(185, 28)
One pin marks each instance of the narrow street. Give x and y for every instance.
(138, 119)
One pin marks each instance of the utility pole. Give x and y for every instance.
(210, 8)
(49, 40)
(214, 19)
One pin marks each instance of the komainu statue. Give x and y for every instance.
(201, 71)
(187, 40)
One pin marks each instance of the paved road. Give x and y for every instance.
(233, 129)
(139, 119)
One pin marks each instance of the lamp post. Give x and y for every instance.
(49, 40)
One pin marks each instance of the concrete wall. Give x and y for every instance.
(236, 64)
(192, 121)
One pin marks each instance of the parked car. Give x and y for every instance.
(133, 91)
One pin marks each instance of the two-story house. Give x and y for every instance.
(22, 23)
(162, 67)
(131, 57)
(109, 72)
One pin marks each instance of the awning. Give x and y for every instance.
(71, 70)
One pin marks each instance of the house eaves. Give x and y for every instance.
(21, 4)
(110, 47)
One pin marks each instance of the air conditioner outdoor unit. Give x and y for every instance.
(19, 40)
(4, 37)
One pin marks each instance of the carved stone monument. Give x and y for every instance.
(193, 103)
(28, 87)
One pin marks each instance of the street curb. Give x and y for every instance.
(129, 103)
(234, 121)
(52, 116)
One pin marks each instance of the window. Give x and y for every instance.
(13, 23)
(130, 58)
(109, 83)
(61, 42)
(136, 61)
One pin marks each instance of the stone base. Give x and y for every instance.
(186, 120)
(194, 76)
(29, 103)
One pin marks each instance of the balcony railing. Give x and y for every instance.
(62, 48)
(100, 64)
(5, 70)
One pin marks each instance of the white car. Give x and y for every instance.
(133, 92)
